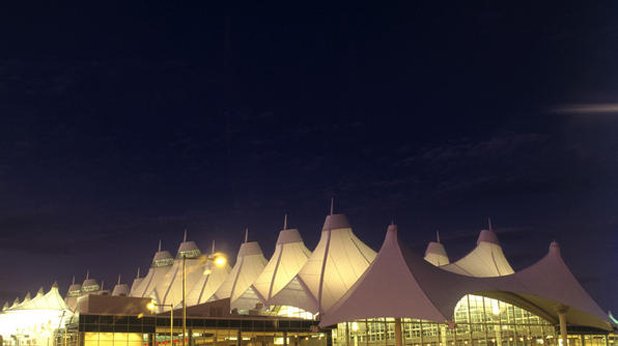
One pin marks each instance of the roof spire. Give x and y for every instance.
(184, 238)
(285, 221)
(73, 281)
(332, 205)
(41, 291)
(118, 279)
(212, 249)
(489, 224)
(246, 234)
(87, 274)
(102, 284)
(438, 236)
(138, 270)
(55, 284)
(159, 250)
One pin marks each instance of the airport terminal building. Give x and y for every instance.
(340, 293)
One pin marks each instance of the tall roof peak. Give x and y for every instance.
(159, 248)
(332, 205)
(246, 234)
(438, 236)
(285, 221)
(554, 247)
(335, 221)
(184, 237)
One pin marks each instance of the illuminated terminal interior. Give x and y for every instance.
(340, 293)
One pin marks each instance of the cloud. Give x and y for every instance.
(587, 108)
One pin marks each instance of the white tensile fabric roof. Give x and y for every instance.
(161, 264)
(288, 258)
(208, 283)
(485, 260)
(169, 288)
(412, 287)
(250, 263)
(436, 253)
(52, 300)
(338, 260)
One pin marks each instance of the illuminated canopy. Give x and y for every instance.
(250, 263)
(289, 257)
(338, 260)
(485, 260)
(212, 277)
(436, 253)
(413, 288)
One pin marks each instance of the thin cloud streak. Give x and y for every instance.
(587, 108)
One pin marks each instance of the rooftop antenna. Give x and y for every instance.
(138, 270)
(184, 238)
(438, 236)
(87, 274)
(246, 234)
(332, 205)
(73, 281)
(212, 249)
(285, 221)
(489, 224)
(159, 245)
(102, 284)
(118, 280)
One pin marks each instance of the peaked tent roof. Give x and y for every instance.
(209, 282)
(52, 300)
(169, 287)
(414, 288)
(161, 263)
(249, 265)
(338, 260)
(120, 289)
(436, 253)
(288, 258)
(485, 260)
(389, 288)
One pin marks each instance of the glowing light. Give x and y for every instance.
(220, 261)
(354, 326)
(151, 306)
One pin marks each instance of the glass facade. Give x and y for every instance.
(478, 321)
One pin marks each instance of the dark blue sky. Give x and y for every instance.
(120, 126)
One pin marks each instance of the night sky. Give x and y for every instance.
(120, 126)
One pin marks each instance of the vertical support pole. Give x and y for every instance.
(329, 338)
(562, 312)
(285, 333)
(443, 341)
(172, 326)
(398, 333)
(184, 296)
(347, 333)
(239, 337)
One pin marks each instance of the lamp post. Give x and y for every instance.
(219, 260)
(151, 306)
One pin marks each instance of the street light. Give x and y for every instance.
(218, 259)
(152, 306)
